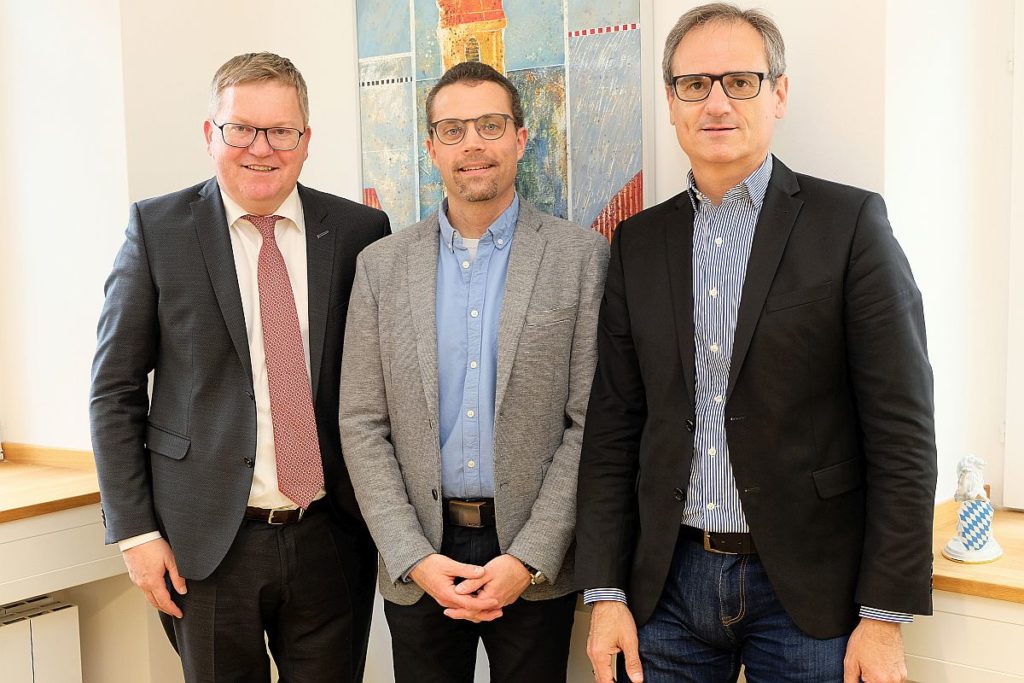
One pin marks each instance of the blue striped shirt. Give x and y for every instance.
(722, 238)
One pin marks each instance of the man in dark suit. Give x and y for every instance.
(758, 466)
(226, 490)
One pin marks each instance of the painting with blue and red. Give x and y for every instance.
(576, 65)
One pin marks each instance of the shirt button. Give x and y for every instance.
(470, 413)
(714, 348)
(471, 464)
(501, 241)
(472, 364)
(718, 399)
(711, 506)
(465, 264)
(713, 291)
(474, 313)
(712, 451)
(718, 241)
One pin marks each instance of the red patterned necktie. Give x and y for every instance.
(300, 474)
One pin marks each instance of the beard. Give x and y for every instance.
(477, 190)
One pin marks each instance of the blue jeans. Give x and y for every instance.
(718, 611)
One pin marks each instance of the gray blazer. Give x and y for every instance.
(546, 360)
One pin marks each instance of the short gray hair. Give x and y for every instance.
(258, 67)
(702, 15)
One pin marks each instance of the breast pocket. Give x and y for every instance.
(799, 297)
(553, 316)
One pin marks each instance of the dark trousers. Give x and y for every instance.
(529, 642)
(307, 588)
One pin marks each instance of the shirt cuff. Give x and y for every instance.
(886, 615)
(592, 595)
(131, 542)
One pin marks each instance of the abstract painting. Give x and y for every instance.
(577, 66)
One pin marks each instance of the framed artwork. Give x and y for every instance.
(577, 65)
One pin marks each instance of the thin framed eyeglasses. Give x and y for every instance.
(242, 135)
(737, 85)
(488, 126)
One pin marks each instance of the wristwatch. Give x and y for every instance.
(536, 576)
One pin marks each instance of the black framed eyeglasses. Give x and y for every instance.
(242, 135)
(488, 126)
(737, 85)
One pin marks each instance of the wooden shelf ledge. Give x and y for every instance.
(1002, 579)
(35, 480)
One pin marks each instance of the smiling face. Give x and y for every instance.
(725, 138)
(258, 177)
(476, 171)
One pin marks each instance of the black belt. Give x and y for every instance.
(720, 542)
(280, 517)
(475, 513)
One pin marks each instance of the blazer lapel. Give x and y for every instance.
(774, 225)
(208, 215)
(678, 229)
(524, 262)
(421, 259)
(320, 237)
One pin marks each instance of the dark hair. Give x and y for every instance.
(473, 73)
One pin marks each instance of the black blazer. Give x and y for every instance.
(829, 414)
(183, 461)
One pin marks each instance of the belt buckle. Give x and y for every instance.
(270, 517)
(467, 513)
(707, 545)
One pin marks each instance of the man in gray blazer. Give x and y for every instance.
(469, 354)
(226, 490)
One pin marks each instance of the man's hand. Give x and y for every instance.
(612, 630)
(436, 574)
(875, 654)
(147, 564)
(504, 580)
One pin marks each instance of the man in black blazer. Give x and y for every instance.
(758, 468)
(226, 489)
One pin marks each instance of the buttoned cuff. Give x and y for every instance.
(132, 541)
(886, 615)
(592, 595)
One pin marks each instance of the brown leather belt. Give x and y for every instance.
(279, 517)
(475, 513)
(721, 542)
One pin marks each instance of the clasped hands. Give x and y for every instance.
(469, 591)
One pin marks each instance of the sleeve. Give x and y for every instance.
(127, 342)
(547, 534)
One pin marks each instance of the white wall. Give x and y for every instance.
(63, 186)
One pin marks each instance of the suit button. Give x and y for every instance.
(690, 425)
(433, 492)
(249, 462)
(678, 494)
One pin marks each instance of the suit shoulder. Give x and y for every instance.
(335, 202)
(562, 230)
(172, 201)
(385, 249)
(821, 190)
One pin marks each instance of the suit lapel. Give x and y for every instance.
(320, 237)
(678, 229)
(208, 215)
(421, 258)
(524, 262)
(774, 225)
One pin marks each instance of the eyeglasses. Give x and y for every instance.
(488, 126)
(737, 85)
(242, 135)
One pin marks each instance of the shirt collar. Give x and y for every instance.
(291, 208)
(500, 230)
(752, 188)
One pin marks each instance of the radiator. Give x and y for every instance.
(39, 642)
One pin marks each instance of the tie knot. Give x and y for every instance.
(265, 224)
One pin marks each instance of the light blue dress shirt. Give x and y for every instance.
(470, 293)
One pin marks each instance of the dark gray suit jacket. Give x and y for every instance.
(182, 462)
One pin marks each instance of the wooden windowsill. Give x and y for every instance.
(1002, 579)
(36, 480)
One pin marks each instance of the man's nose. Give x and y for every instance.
(260, 146)
(717, 102)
